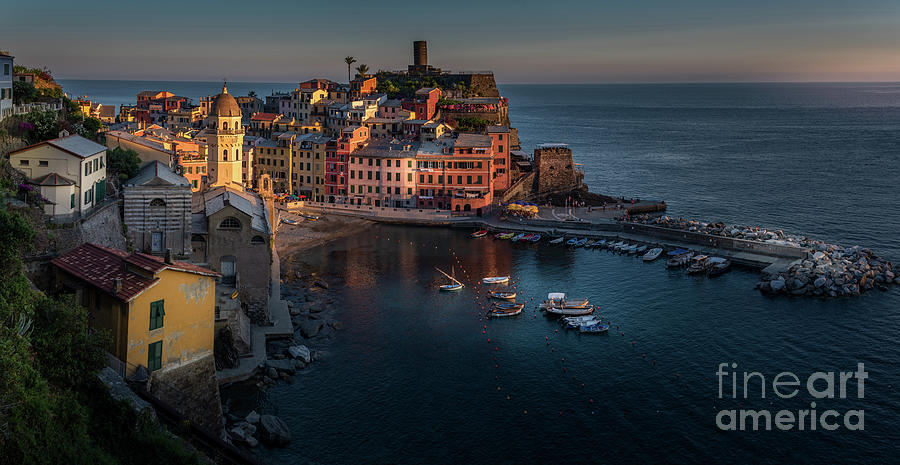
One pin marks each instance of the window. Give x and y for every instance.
(459, 179)
(479, 164)
(73, 201)
(157, 203)
(6, 69)
(378, 175)
(255, 240)
(501, 147)
(478, 179)
(23, 162)
(230, 223)
(194, 183)
(468, 179)
(377, 190)
(430, 179)
(370, 189)
(43, 163)
(409, 163)
(409, 190)
(154, 356)
(409, 177)
(422, 179)
(352, 187)
(157, 312)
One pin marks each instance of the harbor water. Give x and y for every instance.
(411, 377)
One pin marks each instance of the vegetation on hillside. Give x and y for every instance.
(469, 124)
(53, 409)
(123, 163)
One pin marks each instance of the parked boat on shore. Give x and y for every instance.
(481, 233)
(535, 238)
(558, 240)
(289, 221)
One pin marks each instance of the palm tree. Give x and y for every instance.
(349, 60)
(251, 94)
(362, 70)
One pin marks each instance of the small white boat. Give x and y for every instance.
(653, 254)
(578, 319)
(641, 249)
(311, 217)
(600, 244)
(289, 221)
(558, 240)
(570, 311)
(496, 280)
(454, 284)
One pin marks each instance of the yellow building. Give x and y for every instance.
(160, 312)
(309, 166)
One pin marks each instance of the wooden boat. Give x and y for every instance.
(594, 328)
(481, 233)
(535, 238)
(495, 280)
(558, 240)
(699, 264)
(578, 319)
(516, 238)
(631, 249)
(572, 241)
(616, 245)
(511, 310)
(507, 236)
(499, 235)
(508, 305)
(678, 258)
(289, 221)
(454, 285)
(719, 266)
(652, 254)
(591, 320)
(589, 244)
(569, 311)
(600, 244)
(311, 217)
(641, 249)
(505, 295)
(580, 242)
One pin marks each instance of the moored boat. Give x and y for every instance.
(652, 254)
(699, 264)
(678, 258)
(572, 241)
(559, 300)
(719, 266)
(558, 240)
(578, 319)
(640, 250)
(501, 310)
(535, 238)
(591, 320)
(570, 311)
(504, 295)
(289, 221)
(517, 237)
(454, 284)
(507, 236)
(481, 233)
(594, 328)
(495, 280)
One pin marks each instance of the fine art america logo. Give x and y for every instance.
(786, 385)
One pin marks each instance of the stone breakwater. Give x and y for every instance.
(748, 233)
(832, 271)
(827, 271)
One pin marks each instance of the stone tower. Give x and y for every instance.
(225, 139)
(555, 168)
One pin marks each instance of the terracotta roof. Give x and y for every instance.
(52, 179)
(100, 266)
(264, 117)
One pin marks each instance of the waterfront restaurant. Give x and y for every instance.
(455, 174)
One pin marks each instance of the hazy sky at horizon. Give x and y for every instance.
(521, 41)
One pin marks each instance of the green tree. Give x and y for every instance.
(24, 92)
(46, 125)
(123, 162)
(349, 60)
(251, 94)
(362, 70)
(90, 127)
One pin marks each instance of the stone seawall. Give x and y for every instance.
(192, 390)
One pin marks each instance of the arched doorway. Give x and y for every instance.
(467, 208)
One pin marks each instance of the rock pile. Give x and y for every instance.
(750, 233)
(832, 271)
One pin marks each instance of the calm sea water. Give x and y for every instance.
(413, 379)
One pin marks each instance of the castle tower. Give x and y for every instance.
(420, 53)
(225, 140)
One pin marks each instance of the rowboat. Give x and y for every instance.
(505, 295)
(481, 233)
(719, 266)
(454, 285)
(509, 310)
(535, 238)
(570, 311)
(641, 249)
(699, 264)
(594, 328)
(572, 241)
(311, 217)
(508, 305)
(678, 258)
(289, 221)
(578, 319)
(580, 242)
(600, 244)
(653, 254)
(589, 244)
(615, 246)
(499, 235)
(631, 249)
(558, 240)
(516, 238)
(507, 236)
(496, 280)
(591, 320)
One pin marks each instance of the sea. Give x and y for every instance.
(418, 376)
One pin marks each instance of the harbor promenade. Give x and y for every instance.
(592, 223)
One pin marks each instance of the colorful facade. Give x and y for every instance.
(383, 174)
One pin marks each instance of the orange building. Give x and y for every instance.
(362, 86)
(500, 145)
(456, 174)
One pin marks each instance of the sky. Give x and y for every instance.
(522, 41)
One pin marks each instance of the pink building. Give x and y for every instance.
(383, 174)
(500, 143)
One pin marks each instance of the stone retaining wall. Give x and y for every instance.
(192, 390)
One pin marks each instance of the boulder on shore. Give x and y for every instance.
(310, 328)
(274, 431)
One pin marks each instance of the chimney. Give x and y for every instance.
(117, 285)
(169, 256)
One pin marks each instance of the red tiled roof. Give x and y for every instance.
(100, 266)
(264, 117)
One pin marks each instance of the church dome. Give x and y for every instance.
(226, 105)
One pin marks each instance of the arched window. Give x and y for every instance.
(225, 125)
(230, 222)
(257, 240)
(225, 155)
(157, 203)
